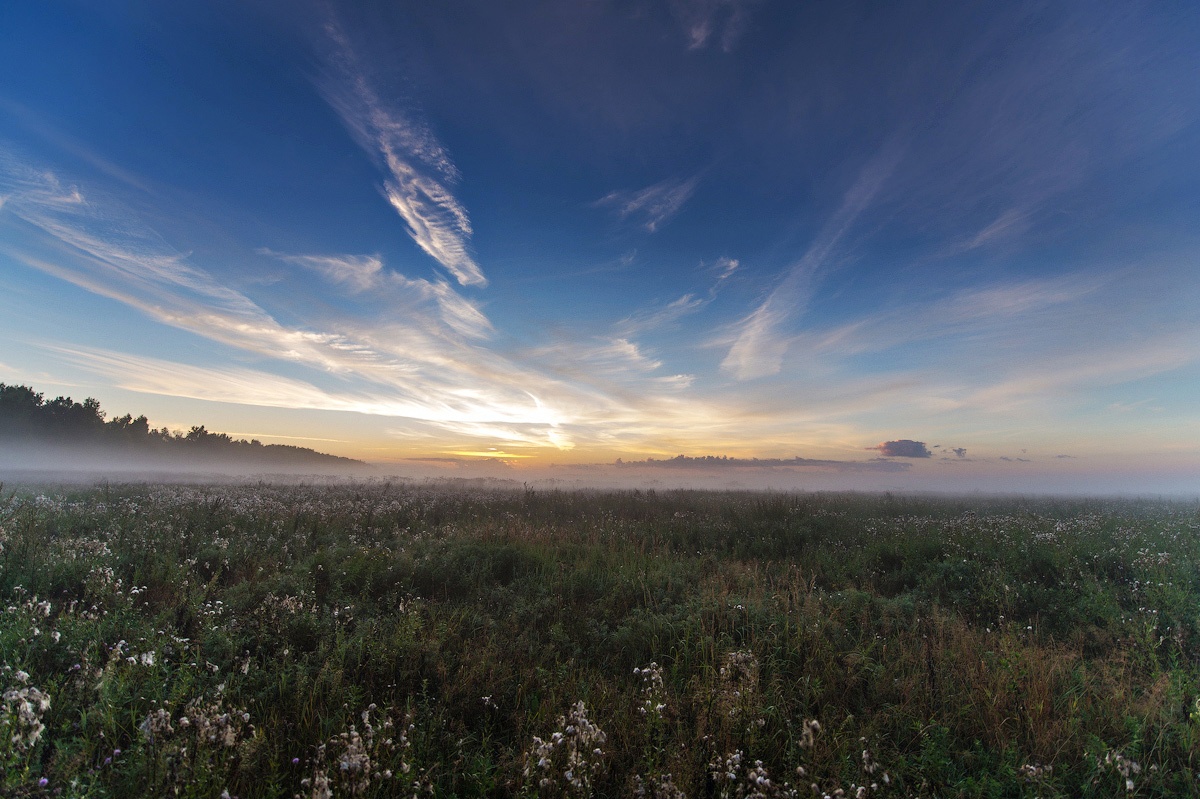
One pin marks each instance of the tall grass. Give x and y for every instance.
(383, 640)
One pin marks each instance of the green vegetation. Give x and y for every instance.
(27, 418)
(382, 640)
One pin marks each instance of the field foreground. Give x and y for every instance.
(382, 640)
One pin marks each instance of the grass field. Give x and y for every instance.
(400, 640)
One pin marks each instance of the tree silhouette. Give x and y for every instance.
(25, 416)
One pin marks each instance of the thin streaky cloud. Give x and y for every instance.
(359, 273)
(655, 318)
(725, 267)
(350, 92)
(704, 21)
(256, 387)
(366, 275)
(228, 384)
(970, 311)
(291, 438)
(419, 168)
(653, 205)
(460, 313)
(412, 366)
(1012, 222)
(1131, 406)
(606, 357)
(521, 418)
(760, 341)
(140, 272)
(759, 346)
(1063, 376)
(69, 144)
(102, 232)
(605, 392)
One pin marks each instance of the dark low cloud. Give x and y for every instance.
(725, 462)
(905, 448)
(960, 451)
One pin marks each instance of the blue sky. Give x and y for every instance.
(571, 232)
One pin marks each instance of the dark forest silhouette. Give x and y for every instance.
(29, 419)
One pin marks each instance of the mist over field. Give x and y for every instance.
(88, 465)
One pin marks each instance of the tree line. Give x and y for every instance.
(25, 415)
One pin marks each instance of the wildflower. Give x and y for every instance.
(808, 735)
(156, 725)
(576, 749)
(653, 690)
(25, 707)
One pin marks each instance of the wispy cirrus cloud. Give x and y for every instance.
(36, 124)
(366, 275)
(976, 311)
(661, 316)
(616, 363)
(706, 21)
(424, 362)
(1056, 376)
(1125, 407)
(226, 384)
(760, 340)
(527, 425)
(419, 354)
(358, 273)
(420, 171)
(724, 268)
(653, 205)
(116, 243)
(1007, 225)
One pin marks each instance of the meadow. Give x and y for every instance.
(377, 639)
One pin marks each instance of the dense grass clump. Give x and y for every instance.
(383, 640)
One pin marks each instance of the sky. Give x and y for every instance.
(879, 245)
